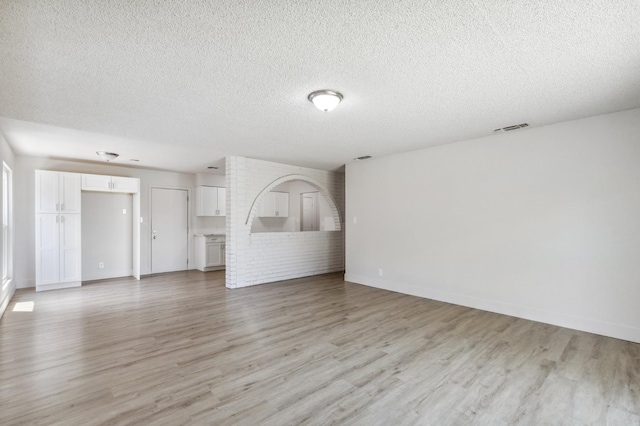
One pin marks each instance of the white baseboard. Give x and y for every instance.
(589, 325)
(25, 283)
(58, 286)
(103, 276)
(5, 302)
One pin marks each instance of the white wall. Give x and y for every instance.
(7, 289)
(24, 183)
(271, 256)
(542, 223)
(107, 235)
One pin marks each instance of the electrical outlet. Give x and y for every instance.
(379, 272)
(100, 265)
(355, 219)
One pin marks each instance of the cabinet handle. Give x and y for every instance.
(61, 219)
(62, 207)
(57, 219)
(57, 207)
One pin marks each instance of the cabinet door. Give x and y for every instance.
(47, 192)
(96, 183)
(70, 192)
(268, 206)
(47, 248)
(125, 184)
(214, 254)
(207, 201)
(222, 201)
(70, 250)
(282, 204)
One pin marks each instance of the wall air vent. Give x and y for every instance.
(510, 128)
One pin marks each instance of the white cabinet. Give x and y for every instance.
(110, 184)
(58, 226)
(57, 192)
(211, 201)
(275, 204)
(210, 252)
(214, 254)
(58, 250)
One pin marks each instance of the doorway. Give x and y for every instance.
(169, 230)
(308, 211)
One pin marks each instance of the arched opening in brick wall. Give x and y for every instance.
(330, 217)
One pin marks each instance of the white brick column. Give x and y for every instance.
(267, 257)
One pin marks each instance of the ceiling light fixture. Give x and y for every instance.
(364, 157)
(107, 156)
(325, 100)
(212, 168)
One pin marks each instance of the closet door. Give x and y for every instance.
(70, 191)
(47, 249)
(47, 192)
(70, 248)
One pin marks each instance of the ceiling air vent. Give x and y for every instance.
(514, 127)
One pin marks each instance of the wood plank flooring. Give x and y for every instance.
(180, 348)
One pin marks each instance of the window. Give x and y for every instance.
(7, 225)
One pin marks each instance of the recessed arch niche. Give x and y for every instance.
(321, 189)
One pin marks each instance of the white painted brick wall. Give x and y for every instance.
(266, 257)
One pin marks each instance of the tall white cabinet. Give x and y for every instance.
(58, 207)
(58, 227)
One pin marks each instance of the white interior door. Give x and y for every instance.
(309, 211)
(169, 230)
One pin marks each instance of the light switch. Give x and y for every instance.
(124, 211)
(355, 219)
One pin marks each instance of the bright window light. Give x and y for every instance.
(24, 307)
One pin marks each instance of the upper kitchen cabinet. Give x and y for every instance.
(110, 184)
(57, 192)
(211, 201)
(275, 204)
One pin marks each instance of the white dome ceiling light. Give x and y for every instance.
(325, 100)
(107, 156)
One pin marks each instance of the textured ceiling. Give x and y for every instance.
(184, 83)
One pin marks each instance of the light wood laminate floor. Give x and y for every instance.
(180, 348)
